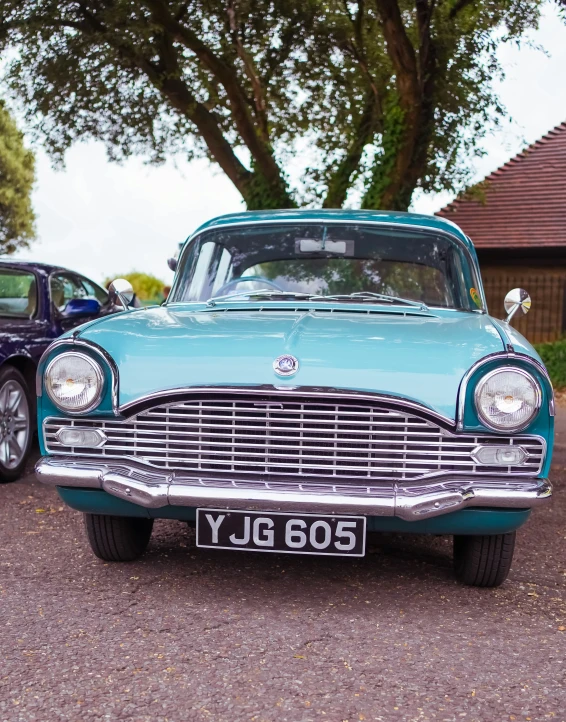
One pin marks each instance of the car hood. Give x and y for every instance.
(421, 357)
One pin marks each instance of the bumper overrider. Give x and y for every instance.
(410, 501)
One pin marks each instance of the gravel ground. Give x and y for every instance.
(187, 634)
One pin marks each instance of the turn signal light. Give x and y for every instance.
(76, 436)
(499, 455)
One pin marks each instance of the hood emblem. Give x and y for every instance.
(285, 365)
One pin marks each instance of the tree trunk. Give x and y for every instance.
(409, 116)
(403, 162)
(261, 194)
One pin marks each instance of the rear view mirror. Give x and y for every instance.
(172, 263)
(81, 307)
(312, 245)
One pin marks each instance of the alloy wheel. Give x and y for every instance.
(14, 424)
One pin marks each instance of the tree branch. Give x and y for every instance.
(180, 14)
(259, 96)
(341, 179)
(399, 46)
(423, 17)
(226, 75)
(167, 80)
(427, 49)
(459, 6)
(357, 49)
(392, 184)
(275, 58)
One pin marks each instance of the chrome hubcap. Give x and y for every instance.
(14, 424)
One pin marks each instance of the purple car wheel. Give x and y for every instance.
(15, 424)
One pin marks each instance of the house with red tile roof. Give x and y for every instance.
(516, 218)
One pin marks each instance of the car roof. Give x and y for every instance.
(44, 268)
(418, 220)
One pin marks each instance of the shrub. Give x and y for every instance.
(554, 357)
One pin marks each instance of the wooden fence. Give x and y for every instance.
(546, 320)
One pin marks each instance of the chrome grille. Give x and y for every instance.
(280, 435)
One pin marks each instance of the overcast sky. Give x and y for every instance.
(104, 219)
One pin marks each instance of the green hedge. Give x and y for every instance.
(554, 357)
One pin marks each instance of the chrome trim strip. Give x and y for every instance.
(503, 356)
(310, 391)
(552, 402)
(411, 502)
(95, 348)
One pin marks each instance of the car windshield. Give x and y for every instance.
(369, 264)
(18, 293)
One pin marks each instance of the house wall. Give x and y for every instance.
(545, 321)
(543, 277)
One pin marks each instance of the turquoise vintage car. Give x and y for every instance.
(313, 375)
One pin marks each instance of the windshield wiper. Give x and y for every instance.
(358, 295)
(262, 293)
(385, 297)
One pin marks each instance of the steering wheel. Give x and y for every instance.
(244, 279)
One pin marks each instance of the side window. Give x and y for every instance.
(223, 271)
(204, 267)
(63, 288)
(200, 279)
(18, 293)
(95, 291)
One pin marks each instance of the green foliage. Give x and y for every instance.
(477, 192)
(147, 288)
(16, 182)
(384, 161)
(554, 357)
(368, 100)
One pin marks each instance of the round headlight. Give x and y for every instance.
(74, 382)
(507, 399)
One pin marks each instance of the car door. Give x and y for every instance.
(63, 287)
(24, 325)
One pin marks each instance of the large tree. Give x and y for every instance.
(366, 97)
(16, 182)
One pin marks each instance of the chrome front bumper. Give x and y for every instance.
(411, 501)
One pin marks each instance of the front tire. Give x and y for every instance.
(16, 424)
(483, 560)
(117, 538)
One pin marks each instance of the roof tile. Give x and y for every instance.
(524, 200)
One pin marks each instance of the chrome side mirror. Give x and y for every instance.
(172, 263)
(517, 299)
(121, 291)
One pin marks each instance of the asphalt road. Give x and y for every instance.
(187, 634)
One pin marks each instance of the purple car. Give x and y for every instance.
(37, 304)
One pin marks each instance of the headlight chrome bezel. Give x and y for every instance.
(99, 377)
(486, 421)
